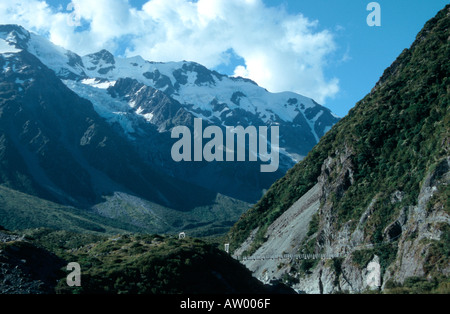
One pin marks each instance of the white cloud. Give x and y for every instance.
(282, 51)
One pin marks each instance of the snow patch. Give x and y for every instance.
(148, 116)
(98, 84)
(113, 110)
(5, 47)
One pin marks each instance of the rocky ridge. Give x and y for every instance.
(381, 176)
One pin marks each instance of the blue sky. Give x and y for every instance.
(370, 49)
(322, 49)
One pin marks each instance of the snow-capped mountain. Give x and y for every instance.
(214, 97)
(144, 100)
(56, 147)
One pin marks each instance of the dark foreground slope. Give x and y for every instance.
(382, 179)
(34, 262)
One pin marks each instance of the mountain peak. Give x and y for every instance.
(100, 63)
(191, 88)
(9, 28)
(14, 35)
(103, 55)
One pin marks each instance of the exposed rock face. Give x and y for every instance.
(284, 236)
(338, 271)
(420, 229)
(382, 174)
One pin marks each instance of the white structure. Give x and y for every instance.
(374, 275)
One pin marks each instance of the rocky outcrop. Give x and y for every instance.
(383, 172)
(421, 229)
(338, 269)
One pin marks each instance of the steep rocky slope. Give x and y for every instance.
(374, 191)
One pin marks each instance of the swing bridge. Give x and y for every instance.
(305, 256)
(311, 256)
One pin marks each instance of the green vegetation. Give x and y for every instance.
(362, 257)
(308, 247)
(416, 285)
(337, 267)
(289, 279)
(394, 137)
(385, 252)
(117, 215)
(22, 211)
(143, 264)
(439, 252)
(313, 225)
